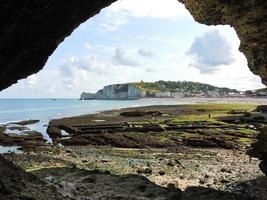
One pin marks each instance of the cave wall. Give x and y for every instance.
(31, 30)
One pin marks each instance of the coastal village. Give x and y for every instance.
(167, 89)
(166, 152)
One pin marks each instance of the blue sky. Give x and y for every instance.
(135, 40)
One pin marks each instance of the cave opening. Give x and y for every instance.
(168, 152)
(132, 41)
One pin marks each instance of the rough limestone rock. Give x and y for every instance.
(30, 31)
(16, 184)
(259, 149)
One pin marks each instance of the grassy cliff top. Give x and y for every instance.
(181, 86)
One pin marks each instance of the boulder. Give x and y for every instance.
(208, 142)
(53, 132)
(138, 113)
(259, 148)
(262, 108)
(27, 122)
(16, 184)
(263, 165)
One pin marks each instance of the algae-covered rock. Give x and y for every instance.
(16, 184)
(259, 148)
(262, 108)
(53, 132)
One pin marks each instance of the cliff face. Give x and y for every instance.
(121, 91)
(32, 29)
(116, 92)
(248, 17)
(159, 89)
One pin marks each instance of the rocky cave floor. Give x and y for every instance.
(88, 172)
(162, 152)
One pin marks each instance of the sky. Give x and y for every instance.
(134, 40)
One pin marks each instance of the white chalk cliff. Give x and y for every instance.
(116, 92)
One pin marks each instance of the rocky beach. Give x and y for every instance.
(176, 92)
(154, 152)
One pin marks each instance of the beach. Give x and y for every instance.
(184, 149)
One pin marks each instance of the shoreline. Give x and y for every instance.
(251, 100)
(165, 147)
(31, 127)
(144, 115)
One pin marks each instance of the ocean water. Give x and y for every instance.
(12, 110)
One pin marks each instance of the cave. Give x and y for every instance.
(31, 30)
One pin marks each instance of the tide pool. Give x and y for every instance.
(12, 110)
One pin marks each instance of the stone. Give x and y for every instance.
(138, 113)
(206, 176)
(202, 181)
(171, 163)
(144, 170)
(17, 128)
(224, 170)
(263, 166)
(53, 132)
(259, 148)
(27, 122)
(171, 185)
(262, 108)
(162, 173)
(15, 184)
(224, 180)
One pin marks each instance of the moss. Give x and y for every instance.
(244, 141)
(210, 112)
(199, 114)
(180, 87)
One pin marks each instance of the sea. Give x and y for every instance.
(14, 110)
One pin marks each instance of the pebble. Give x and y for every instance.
(144, 170)
(202, 181)
(162, 173)
(171, 163)
(171, 185)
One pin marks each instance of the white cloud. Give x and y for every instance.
(210, 51)
(98, 61)
(121, 12)
(32, 81)
(99, 48)
(87, 45)
(89, 73)
(113, 21)
(145, 53)
(121, 57)
(151, 8)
